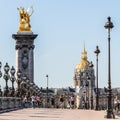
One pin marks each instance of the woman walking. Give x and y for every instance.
(33, 101)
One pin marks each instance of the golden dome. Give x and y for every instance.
(83, 63)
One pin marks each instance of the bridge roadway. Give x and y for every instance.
(54, 114)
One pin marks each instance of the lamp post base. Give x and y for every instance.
(96, 109)
(110, 115)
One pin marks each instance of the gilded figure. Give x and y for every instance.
(25, 19)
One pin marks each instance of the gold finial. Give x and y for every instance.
(25, 19)
(84, 54)
(84, 46)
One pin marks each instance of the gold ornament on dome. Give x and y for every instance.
(25, 19)
(83, 63)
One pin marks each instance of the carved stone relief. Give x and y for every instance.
(25, 59)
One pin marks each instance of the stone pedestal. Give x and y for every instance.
(25, 53)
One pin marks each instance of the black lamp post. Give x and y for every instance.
(28, 87)
(91, 66)
(84, 100)
(6, 77)
(0, 77)
(24, 84)
(97, 51)
(18, 80)
(47, 91)
(109, 26)
(31, 88)
(12, 71)
(0, 70)
(87, 94)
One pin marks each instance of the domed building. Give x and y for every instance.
(84, 82)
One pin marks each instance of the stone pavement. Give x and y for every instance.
(54, 114)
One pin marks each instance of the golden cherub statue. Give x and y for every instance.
(25, 19)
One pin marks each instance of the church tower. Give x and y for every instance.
(84, 80)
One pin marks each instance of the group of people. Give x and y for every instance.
(62, 102)
(52, 102)
(33, 100)
(70, 102)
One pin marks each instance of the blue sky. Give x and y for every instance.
(62, 27)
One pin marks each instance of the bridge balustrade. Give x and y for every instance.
(10, 103)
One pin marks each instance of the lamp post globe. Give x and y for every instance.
(19, 73)
(6, 68)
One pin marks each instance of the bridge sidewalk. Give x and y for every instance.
(54, 114)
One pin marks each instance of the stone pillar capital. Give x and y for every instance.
(31, 46)
(18, 47)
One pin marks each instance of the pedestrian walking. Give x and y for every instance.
(38, 100)
(68, 105)
(61, 102)
(72, 102)
(33, 100)
(24, 101)
(52, 102)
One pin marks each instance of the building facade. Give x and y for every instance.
(84, 82)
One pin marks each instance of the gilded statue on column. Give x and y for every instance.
(25, 19)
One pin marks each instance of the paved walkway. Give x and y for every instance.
(54, 114)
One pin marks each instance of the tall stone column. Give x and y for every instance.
(31, 62)
(25, 53)
(18, 56)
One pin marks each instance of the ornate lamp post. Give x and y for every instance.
(109, 25)
(87, 94)
(31, 88)
(47, 92)
(97, 51)
(18, 80)
(6, 77)
(0, 77)
(0, 70)
(91, 66)
(34, 88)
(28, 88)
(12, 71)
(24, 84)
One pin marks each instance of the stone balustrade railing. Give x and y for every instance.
(10, 103)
